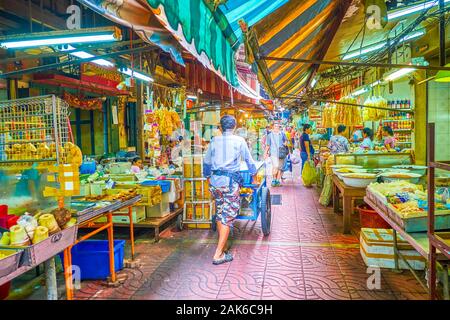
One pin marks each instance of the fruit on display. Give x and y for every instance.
(371, 114)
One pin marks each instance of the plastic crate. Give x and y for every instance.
(92, 257)
(164, 184)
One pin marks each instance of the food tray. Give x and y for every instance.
(44, 250)
(93, 213)
(419, 223)
(10, 264)
(130, 202)
(377, 198)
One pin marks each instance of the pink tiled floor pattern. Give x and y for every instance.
(301, 259)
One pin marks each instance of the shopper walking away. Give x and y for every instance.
(338, 143)
(277, 150)
(306, 148)
(221, 166)
(367, 143)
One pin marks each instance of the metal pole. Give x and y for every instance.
(357, 64)
(346, 104)
(431, 190)
(50, 279)
(442, 57)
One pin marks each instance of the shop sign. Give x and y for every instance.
(96, 74)
(85, 104)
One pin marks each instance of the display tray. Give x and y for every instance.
(415, 222)
(419, 223)
(48, 248)
(10, 263)
(93, 212)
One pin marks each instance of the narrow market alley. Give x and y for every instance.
(306, 256)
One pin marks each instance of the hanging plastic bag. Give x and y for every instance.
(325, 196)
(309, 174)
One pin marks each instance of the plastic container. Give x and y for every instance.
(246, 176)
(88, 167)
(92, 257)
(164, 184)
(4, 290)
(369, 218)
(8, 221)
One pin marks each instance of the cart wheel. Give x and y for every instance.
(214, 223)
(266, 211)
(180, 222)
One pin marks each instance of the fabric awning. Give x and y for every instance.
(300, 29)
(200, 30)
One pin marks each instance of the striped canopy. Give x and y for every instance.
(301, 29)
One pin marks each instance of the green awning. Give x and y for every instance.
(206, 34)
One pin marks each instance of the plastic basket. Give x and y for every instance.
(92, 257)
(246, 176)
(164, 184)
(369, 218)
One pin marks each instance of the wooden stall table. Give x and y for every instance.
(349, 194)
(155, 223)
(419, 241)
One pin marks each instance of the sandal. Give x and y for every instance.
(227, 257)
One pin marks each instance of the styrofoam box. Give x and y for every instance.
(159, 210)
(377, 250)
(138, 216)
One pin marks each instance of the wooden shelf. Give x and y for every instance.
(441, 165)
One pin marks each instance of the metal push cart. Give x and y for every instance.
(256, 203)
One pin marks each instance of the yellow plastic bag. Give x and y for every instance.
(309, 174)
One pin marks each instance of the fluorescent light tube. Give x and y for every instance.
(85, 55)
(379, 46)
(359, 92)
(398, 74)
(137, 75)
(364, 51)
(375, 83)
(57, 41)
(413, 9)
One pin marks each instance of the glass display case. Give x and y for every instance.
(375, 160)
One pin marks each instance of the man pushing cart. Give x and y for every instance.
(222, 167)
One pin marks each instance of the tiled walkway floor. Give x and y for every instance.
(305, 257)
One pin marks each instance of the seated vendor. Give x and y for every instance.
(388, 137)
(136, 165)
(367, 143)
